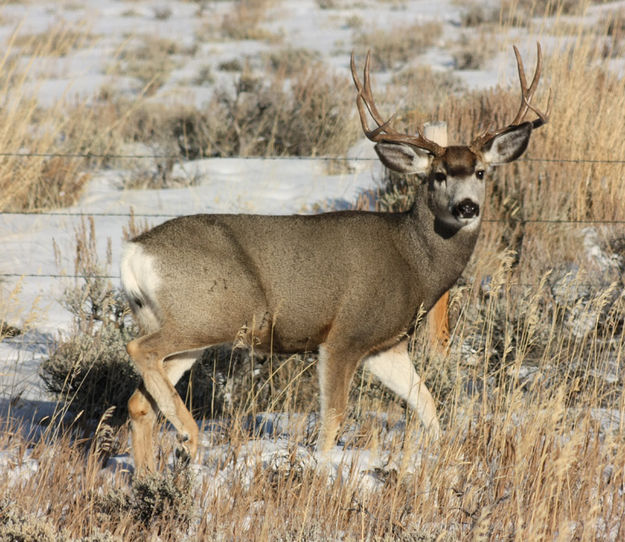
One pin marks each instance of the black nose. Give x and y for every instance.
(466, 209)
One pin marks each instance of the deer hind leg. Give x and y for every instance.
(178, 364)
(336, 370)
(142, 411)
(394, 368)
(175, 367)
(148, 354)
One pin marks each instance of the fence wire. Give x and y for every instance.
(81, 214)
(178, 157)
(106, 156)
(57, 276)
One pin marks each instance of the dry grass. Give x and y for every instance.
(243, 22)
(289, 61)
(522, 12)
(261, 118)
(151, 62)
(524, 392)
(611, 30)
(546, 8)
(41, 181)
(476, 14)
(419, 89)
(45, 180)
(520, 459)
(395, 46)
(59, 39)
(472, 51)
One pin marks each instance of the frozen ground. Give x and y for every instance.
(31, 287)
(228, 185)
(231, 185)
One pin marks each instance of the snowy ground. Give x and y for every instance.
(225, 185)
(228, 185)
(231, 185)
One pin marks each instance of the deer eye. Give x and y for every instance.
(479, 173)
(440, 176)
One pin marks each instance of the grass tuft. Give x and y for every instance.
(166, 496)
(59, 39)
(18, 525)
(393, 47)
(530, 392)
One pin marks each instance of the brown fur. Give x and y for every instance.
(351, 281)
(348, 282)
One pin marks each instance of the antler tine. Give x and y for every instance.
(369, 96)
(359, 99)
(543, 116)
(527, 93)
(364, 102)
(383, 132)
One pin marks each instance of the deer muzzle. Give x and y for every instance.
(466, 209)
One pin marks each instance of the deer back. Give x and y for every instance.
(290, 280)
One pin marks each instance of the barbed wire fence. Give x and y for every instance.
(107, 156)
(177, 157)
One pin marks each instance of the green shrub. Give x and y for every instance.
(18, 526)
(168, 495)
(90, 371)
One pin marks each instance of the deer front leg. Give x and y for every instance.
(336, 370)
(394, 368)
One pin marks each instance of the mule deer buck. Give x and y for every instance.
(350, 283)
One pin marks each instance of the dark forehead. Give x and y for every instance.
(459, 161)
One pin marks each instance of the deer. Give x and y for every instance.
(351, 284)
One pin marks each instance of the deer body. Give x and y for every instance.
(290, 291)
(349, 283)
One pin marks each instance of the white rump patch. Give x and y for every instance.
(139, 278)
(140, 283)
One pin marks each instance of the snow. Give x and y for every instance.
(217, 186)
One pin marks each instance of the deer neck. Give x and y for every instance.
(440, 253)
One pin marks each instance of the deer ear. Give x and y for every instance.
(508, 145)
(404, 158)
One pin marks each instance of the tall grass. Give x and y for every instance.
(395, 46)
(305, 112)
(43, 180)
(522, 461)
(531, 449)
(530, 393)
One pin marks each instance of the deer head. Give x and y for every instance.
(455, 175)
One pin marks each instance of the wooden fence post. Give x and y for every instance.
(438, 317)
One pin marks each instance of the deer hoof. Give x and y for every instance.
(183, 437)
(182, 456)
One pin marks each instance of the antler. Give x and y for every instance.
(383, 132)
(527, 93)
